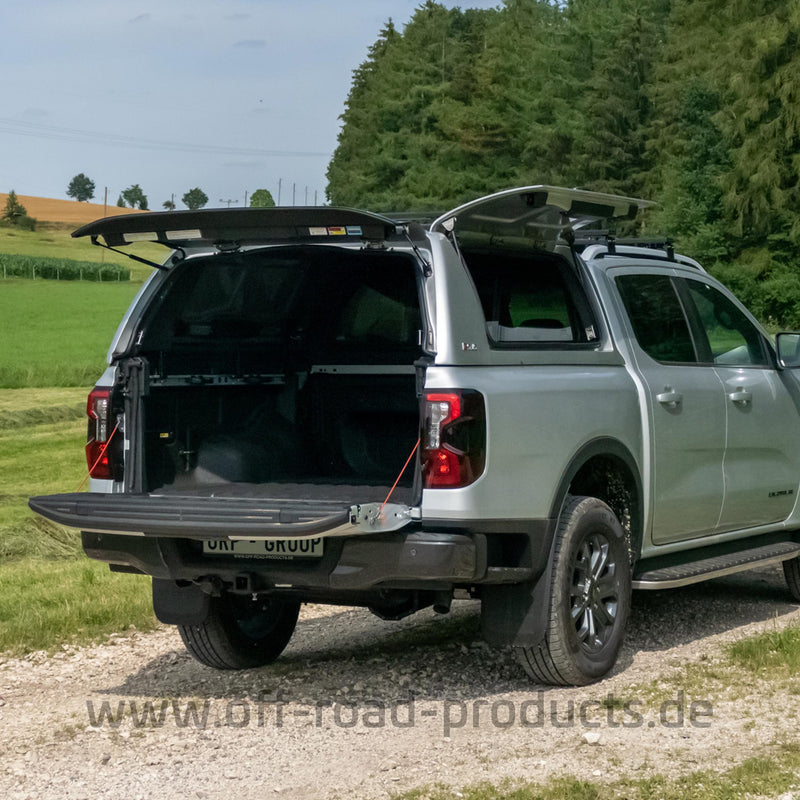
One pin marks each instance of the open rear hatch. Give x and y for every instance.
(232, 229)
(533, 216)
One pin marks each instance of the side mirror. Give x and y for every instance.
(787, 346)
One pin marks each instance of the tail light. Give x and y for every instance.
(453, 439)
(103, 440)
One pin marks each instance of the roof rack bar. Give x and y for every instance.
(585, 238)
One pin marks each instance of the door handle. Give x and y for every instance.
(741, 396)
(669, 397)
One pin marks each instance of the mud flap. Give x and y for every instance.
(179, 605)
(517, 614)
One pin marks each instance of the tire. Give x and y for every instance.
(587, 619)
(240, 633)
(791, 571)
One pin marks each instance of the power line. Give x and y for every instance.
(18, 128)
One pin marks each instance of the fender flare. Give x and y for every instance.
(602, 446)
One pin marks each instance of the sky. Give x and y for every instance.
(226, 95)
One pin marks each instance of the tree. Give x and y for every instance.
(624, 41)
(14, 210)
(134, 197)
(81, 187)
(401, 145)
(120, 202)
(169, 205)
(262, 198)
(195, 198)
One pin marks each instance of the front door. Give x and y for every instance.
(762, 454)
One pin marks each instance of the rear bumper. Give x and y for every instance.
(408, 559)
(366, 547)
(360, 563)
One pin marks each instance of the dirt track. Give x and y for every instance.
(357, 707)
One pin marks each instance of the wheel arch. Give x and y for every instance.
(606, 469)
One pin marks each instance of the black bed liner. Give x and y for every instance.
(306, 491)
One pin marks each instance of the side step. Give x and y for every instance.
(716, 567)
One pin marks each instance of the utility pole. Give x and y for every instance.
(229, 201)
(245, 198)
(105, 213)
(280, 181)
(294, 192)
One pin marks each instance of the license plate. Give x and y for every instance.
(265, 548)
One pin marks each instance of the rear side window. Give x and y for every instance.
(530, 299)
(657, 318)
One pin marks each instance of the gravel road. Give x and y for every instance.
(357, 707)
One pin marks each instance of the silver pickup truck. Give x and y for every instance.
(326, 405)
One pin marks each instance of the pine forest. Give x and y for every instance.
(692, 103)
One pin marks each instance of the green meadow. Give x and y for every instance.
(56, 333)
(53, 341)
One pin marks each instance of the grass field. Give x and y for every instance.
(49, 592)
(44, 604)
(41, 451)
(53, 341)
(56, 333)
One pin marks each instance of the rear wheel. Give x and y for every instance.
(240, 633)
(791, 571)
(589, 598)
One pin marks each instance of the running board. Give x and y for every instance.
(716, 567)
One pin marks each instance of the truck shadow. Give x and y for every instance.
(351, 656)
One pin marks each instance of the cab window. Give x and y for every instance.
(733, 340)
(657, 318)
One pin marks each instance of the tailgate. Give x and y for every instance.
(207, 517)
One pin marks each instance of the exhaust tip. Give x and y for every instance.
(442, 602)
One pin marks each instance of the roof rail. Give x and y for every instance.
(600, 245)
(585, 238)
